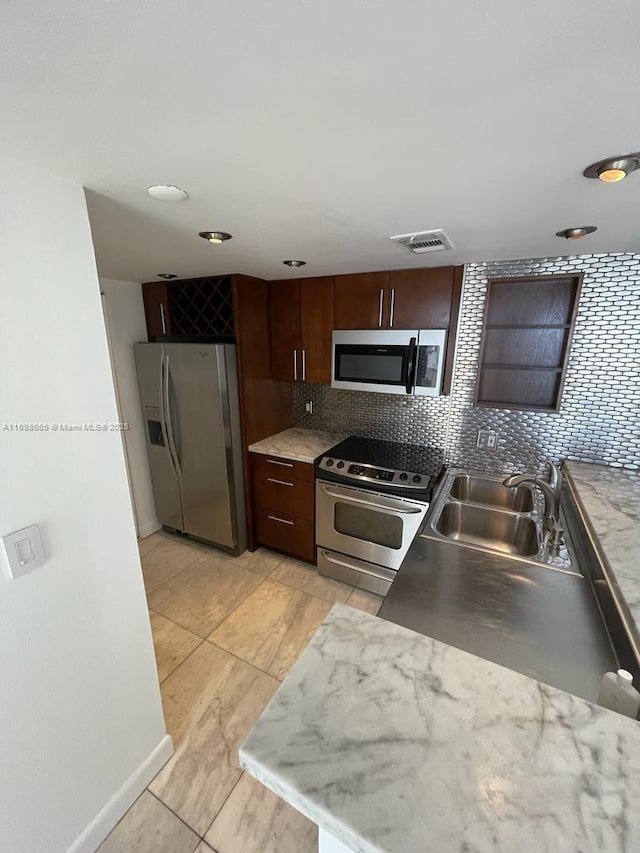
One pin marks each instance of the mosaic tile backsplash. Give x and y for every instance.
(599, 419)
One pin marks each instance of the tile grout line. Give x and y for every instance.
(189, 565)
(219, 812)
(122, 818)
(186, 628)
(175, 814)
(172, 577)
(313, 594)
(202, 640)
(242, 660)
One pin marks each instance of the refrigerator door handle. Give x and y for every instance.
(166, 408)
(163, 422)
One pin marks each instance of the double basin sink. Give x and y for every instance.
(476, 510)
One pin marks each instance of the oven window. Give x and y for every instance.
(369, 525)
(384, 365)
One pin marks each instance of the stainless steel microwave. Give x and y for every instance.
(389, 361)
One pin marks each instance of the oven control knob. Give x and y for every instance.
(340, 464)
(329, 463)
(417, 478)
(404, 476)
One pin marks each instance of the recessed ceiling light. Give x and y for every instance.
(215, 236)
(166, 275)
(294, 263)
(613, 169)
(167, 192)
(576, 233)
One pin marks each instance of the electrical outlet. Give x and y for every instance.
(308, 407)
(487, 438)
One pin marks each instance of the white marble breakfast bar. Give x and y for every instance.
(392, 741)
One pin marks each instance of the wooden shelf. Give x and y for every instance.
(492, 404)
(487, 366)
(528, 326)
(526, 335)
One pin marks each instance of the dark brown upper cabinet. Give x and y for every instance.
(420, 299)
(361, 300)
(399, 299)
(286, 339)
(301, 324)
(155, 297)
(526, 336)
(316, 321)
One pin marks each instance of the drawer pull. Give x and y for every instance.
(281, 520)
(280, 482)
(284, 464)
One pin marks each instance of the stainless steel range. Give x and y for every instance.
(371, 499)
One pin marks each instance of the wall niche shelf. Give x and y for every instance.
(526, 336)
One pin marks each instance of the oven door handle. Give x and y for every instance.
(391, 509)
(382, 573)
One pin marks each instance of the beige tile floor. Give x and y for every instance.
(226, 631)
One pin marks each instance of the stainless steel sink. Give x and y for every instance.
(475, 510)
(505, 532)
(481, 490)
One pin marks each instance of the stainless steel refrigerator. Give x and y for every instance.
(189, 395)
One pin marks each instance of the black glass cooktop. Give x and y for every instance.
(408, 470)
(389, 454)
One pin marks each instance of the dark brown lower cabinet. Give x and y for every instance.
(283, 495)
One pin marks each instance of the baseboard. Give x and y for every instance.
(102, 824)
(148, 528)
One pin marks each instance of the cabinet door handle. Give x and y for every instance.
(381, 307)
(281, 520)
(284, 464)
(304, 365)
(280, 482)
(392, 306)
(164, 327)
(295, 365)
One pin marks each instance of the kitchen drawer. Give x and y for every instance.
(285, 469)
(278, 491)
(285, 533)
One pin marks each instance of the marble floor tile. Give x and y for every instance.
(149, 827)
(255, 820)
(364, 600)
(262, 561)
(172, 644)
(204, 594)
(149, 542)
(306, 577)
(210, 704)
(165, 560)
(204, 848)
(271, 628)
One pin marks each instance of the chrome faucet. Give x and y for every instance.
(551, 492)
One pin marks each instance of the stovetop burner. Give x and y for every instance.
(388, 466)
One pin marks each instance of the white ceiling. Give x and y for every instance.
(315, 129)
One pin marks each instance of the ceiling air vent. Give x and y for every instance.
(424, 241)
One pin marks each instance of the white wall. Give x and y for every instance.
(124, 313)
(80, 711)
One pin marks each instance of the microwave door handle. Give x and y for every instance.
(411, 365)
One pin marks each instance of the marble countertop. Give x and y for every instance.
(392, 741)
(303, 445)
(610, 498)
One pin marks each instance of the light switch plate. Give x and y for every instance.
(23, 550)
